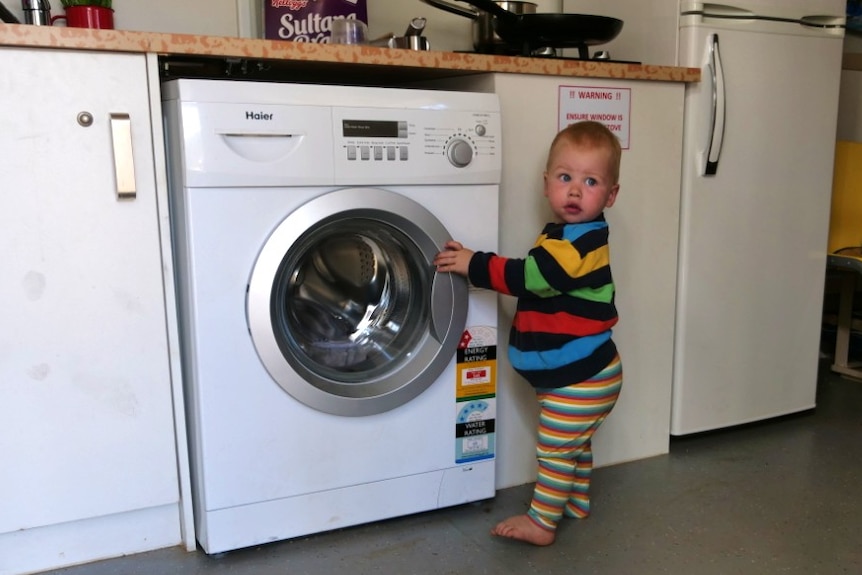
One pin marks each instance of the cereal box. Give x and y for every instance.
(307, 20)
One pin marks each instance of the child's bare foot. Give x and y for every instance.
(522, 528)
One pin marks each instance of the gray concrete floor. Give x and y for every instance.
(778, 497)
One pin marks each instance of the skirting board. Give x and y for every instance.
(77, 542)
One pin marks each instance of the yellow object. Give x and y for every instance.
(845, 231)
(845, 223)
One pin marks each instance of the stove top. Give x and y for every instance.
(553, 54)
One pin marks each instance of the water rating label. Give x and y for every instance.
(474, 430)
(476, 389)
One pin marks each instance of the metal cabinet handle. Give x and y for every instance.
(717, 120)
(124, 161)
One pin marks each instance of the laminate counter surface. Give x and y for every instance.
(355, 60)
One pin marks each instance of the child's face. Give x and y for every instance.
(579, 183)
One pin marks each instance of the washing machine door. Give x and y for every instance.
(344, 307)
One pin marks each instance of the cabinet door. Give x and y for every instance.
(644, 224)
(86, 426)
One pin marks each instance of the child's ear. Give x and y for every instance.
(612, 196)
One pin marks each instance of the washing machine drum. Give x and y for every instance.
(352, 301)
(347, 314)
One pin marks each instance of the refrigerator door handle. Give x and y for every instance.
(717, 116)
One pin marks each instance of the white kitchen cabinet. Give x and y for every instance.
(644, 223)
(88, 449)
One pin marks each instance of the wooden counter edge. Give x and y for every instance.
(20, 35)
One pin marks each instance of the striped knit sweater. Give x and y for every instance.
(561, 332)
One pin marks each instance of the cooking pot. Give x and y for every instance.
(528, 32)
(485, 40)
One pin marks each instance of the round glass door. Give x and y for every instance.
(344, 306)
(351, 299)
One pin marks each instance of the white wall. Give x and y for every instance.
(206, 17)
(385, 17)
(648, 35)
(853, 42)
(242, 18)
(444, 30)
(850, 106)
(649, 28)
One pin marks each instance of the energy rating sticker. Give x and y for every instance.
(474, 430)
(477, 364)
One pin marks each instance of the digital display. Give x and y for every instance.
(372, 129)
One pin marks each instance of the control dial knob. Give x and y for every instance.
(459, 152)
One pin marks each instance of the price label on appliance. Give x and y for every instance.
(610, 106)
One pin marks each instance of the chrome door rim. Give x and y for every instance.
(434, 349)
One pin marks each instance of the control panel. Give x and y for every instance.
(459, 150)
(297, 135)
(433, 140)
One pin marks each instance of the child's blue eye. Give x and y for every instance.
(591, 181)
(565, 178)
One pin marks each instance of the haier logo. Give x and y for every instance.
(258, 116)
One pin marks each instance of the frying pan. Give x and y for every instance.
(530, 31)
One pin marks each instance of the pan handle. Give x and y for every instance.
(453, 8)
(492, 8)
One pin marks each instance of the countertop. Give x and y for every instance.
(368, 62)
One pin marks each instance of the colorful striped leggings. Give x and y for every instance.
(569, 417)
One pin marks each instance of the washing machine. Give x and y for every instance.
(331, 377)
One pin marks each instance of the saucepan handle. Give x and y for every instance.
(491, 7)
(453, 8)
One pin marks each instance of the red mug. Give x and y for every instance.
(87, 17)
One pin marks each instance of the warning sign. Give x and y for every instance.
(610, 106)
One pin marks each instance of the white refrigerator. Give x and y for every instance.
(753, 234)
(758, 149)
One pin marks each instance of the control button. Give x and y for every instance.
(402, 129)
(378, 152)
(403, 153)
(459, 152)
(365, 152)
(480, 130)
(390, 153)
(351, 153)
